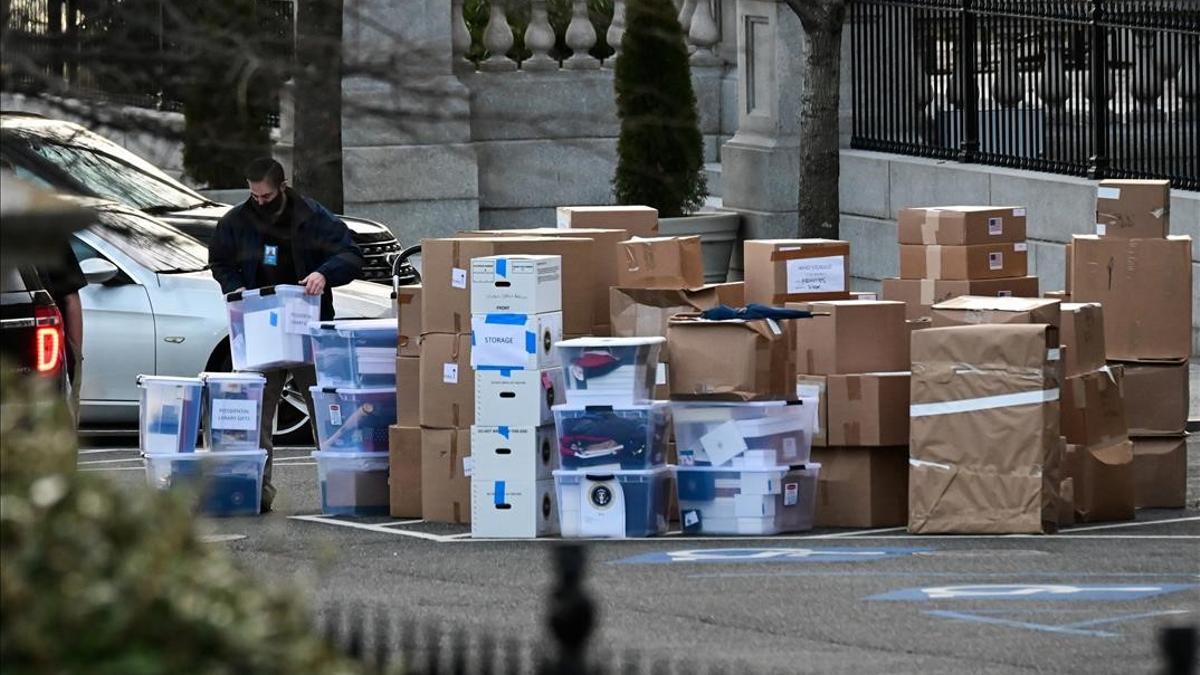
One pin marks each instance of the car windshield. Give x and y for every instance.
(111, 173)
(151, 243)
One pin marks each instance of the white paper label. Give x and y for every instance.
(996, 261)
(450, 373)
(660, 374)
(1019, 213)
(297, 315)
(791, 494)
(335, 415)
(1053, 354)
(723, 443)
(1108, 193)
(1021, 247)
(500, 344)
(234, 415)
(458, 278)
(561, 219)
(1101, 229)
(468, 466)
(995, 226)
(691, 518)
(872, 297)
(602, 512)
(817, 275)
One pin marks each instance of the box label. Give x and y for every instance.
(791, 494)
(335, 415)
(826, 274)
(995, 226)
(230, 414)
(468, 466)
(1101, 229)
(996, 261)
(450, 373)
(506, 344)
(1108, 193)
(1021, 247)
(723, 443)
(297, 315)
(1018, 213)
(660, 374)
(458, 278)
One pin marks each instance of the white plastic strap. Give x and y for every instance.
(921, 462)
(983, 403)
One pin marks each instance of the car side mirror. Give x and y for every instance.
(98, 271)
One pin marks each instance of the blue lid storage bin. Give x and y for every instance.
(754, 501)
(354, 420)
(355, 354)
(227, 483)
(749, 434)
(613, 505)
(353, 483)
(268, 326)
(610, 370)
(169, 413)
(233, 410)
(626, 437)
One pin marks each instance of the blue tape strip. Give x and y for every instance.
(506, 319)
(499, 492)
(501, 267)
(274, 319)
(530, 342)
(472, 338)
(503, 431)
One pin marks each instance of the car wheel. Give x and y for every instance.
(291, 417)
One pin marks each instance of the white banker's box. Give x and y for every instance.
(516, 284)
(521, 454)
(516, 341)
(513, 509)
(517, 398)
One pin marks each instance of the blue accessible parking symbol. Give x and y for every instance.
(770, 555)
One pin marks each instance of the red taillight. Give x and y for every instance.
(48, 340)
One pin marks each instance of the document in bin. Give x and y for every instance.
(602, 512)
(265, 341)
(297, 315)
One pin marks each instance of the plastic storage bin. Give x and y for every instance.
(354, 420)
(268, 326)
(721, 500)
(233, 410)
(610, 370)
(752, 434)
(355, 354)
(353, 483)
(616, 504)
(625, 437)
(229, 483)
(169, 413)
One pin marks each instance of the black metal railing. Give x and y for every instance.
(1097, 88)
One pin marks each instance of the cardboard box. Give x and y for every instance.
(961, 225)
(1160, 472)
(862, 487)
(447, 381)
(519, 454)
(1083, 336)
(796, 270)
(732, 294)
(920, 295)
(814, 386)
(985, 451)
(446, 277)
(1093, 410)
(967, 310)
(1145, 286)
(1102, 481)
(867, 410)
(515, 340)
(644, 312)
(638, 221)
(1066, 502)
(661, 262)
(729, 360)
(518, 398)
(1133, 209)
(864, 295)
(408, 391)
(1061, 296)
(445, 488)
(978, 261)
(852, 336)
(508, 509)
(516, 284)
(1156, 398)
(408, 320)
(404, 471)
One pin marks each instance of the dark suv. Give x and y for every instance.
(66, 157)
(31, 328)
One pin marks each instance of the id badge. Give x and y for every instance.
(270, 255)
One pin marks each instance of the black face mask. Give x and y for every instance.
(270, 211)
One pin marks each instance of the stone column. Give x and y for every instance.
(406, 127)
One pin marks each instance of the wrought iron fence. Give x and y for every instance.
(1097, 88)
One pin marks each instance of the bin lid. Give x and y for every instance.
(598, 406)
(169, 381)
(337, 454)
(247, 376)
(591, 342)
(346, 391)
(726, 468)
(201, 453)
(281, 289)
(355, 325)
(618, 473)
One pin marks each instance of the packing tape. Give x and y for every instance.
(922, 463)
(453, 452)
(927, 292)
(983, 403)
(854, 389)
(933, 262)
(929, 228)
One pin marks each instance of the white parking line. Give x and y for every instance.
(325, 520)
(860, 533)
(114, 468)
(1111, 526)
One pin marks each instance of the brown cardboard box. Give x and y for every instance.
(1133, 209)
(661, 262)
(978, 261)
(645, 312)
(915, 325)
(607, 250)
(922, 294)
(796, 270)
(445, 489)
(408, 391)
(967, 310)
(404, 471)
(814, 386)
(638, 221)
(961, 225)
(1069, 262)
(447, 381)
(985, 451)
(852, 336)
(1061, 296)
(1093, 410)
(1083, 336)
(864, 295)
(732, 293)
(1145, 286)
(1103, 481)
(446, 283)
(862, 487)
(870, 409)
(729, 360)
(408, 320)
(1160, 472)
(1156, 398)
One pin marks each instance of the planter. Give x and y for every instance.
(718, 233)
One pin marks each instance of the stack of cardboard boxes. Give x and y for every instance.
(950, 251)
(1142, 277)
(404, 443)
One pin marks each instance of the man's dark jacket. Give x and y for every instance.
(320, 243)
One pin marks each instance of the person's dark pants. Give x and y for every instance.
(303, 377)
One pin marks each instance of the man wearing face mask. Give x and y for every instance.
(278, 236)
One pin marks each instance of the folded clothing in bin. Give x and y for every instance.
(353, 483)
(610, 370)
(229, 483)
(354, 420)
(355, 354)
(768, 500)
(740, 434)
(616, 504)
(625, 437)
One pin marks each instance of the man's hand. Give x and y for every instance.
(314, 284)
